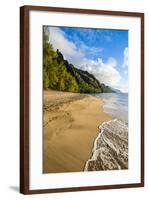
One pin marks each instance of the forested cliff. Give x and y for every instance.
(59, 74)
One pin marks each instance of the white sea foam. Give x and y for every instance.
(110, 147)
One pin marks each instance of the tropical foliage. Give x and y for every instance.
(59, 74)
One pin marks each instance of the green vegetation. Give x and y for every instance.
(55, 75)
(58, 74)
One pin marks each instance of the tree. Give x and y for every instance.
(55, 75)
(59, 74)
(45, 80)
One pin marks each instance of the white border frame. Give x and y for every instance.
(78, 179)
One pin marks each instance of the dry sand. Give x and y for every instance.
(70, 128)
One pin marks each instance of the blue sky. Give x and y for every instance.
(102, 52)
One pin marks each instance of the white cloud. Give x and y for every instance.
(126, 59)
(105, 72)
(112, 62)
(125, 72)
(68, 48)
(123, 87)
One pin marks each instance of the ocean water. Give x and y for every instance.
(115, 104)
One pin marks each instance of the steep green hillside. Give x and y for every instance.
(59, 74)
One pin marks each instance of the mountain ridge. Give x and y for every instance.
(59, 74)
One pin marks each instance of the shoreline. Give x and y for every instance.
(110, 149)
(71, 121)
(115, 105)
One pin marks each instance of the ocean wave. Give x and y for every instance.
(116, 105)
(110, 149)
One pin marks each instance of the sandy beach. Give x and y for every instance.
(70, 128)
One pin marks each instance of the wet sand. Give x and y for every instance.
(70, 129)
